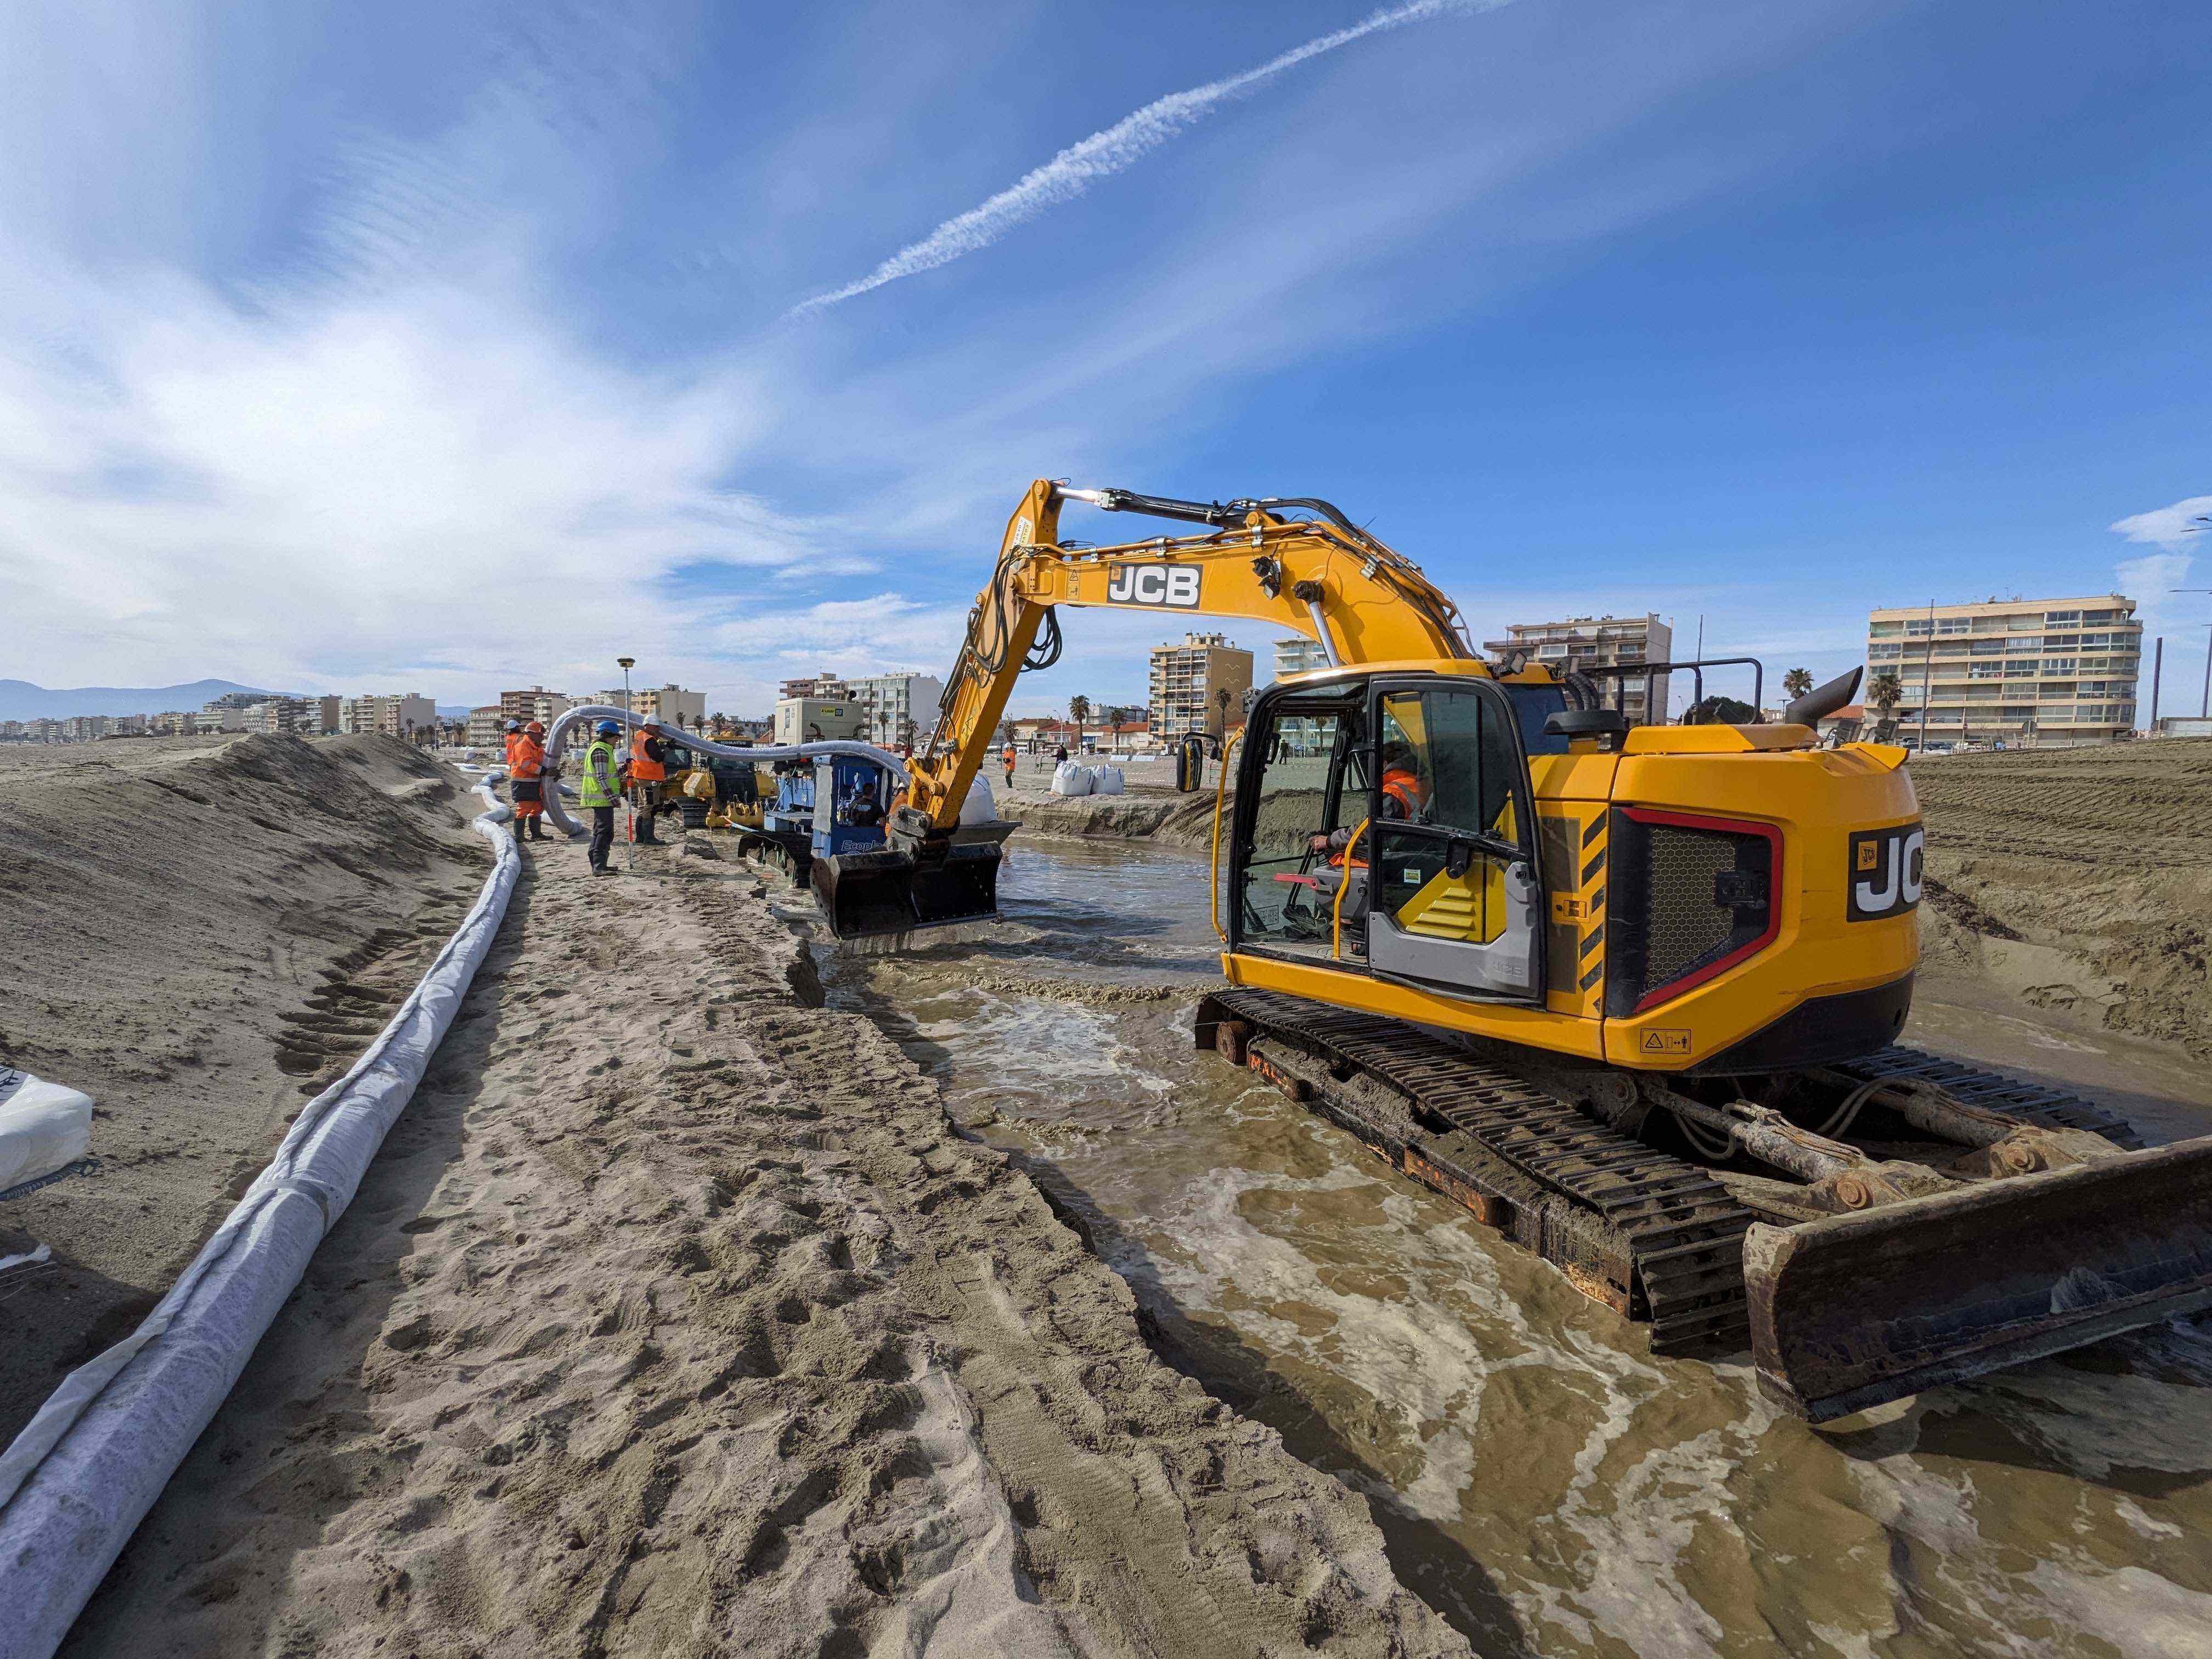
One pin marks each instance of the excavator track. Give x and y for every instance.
(1653, 1236)
(2032, 1103)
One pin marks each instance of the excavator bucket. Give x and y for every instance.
(1851, 1310)
(879, 897)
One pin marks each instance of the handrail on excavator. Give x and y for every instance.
(1220, 795)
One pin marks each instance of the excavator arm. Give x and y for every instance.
(1296, 564)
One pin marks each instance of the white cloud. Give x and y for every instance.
(1112, 149)
(373, 488)
(2169, 526)
(2150, 581)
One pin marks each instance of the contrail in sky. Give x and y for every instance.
(1104, 154)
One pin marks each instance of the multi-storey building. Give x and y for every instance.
(2051, 671)
(535, 704)
(674, 704)
(487, 725)
(307, 717)
(1583, 643)
(1187, 683)
(671, 703)
(395, 715)
(898, 707)
(824, 685)
(1299, 656)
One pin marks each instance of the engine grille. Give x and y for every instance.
(1686, 898)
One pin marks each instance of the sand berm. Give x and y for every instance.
(675, 1317)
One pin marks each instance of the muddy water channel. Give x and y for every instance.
(1542, 1480)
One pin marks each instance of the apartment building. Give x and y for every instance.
(2049, 671)
(670, 703)
(487, 725)
(1299, 656)
(396, 715)
(824, 685)
(673, 704)
(1186, 682)
(1580, 644)
(535, 704)
(898, 707)
(306, 717)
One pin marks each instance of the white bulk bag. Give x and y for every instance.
(979, 807)
(43, 1127)
(1110, 781)
(1069, 778)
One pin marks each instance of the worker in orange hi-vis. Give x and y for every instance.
(648, 770)
(525, 767)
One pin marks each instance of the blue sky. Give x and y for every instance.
(462, 345)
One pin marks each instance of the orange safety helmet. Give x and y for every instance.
(536, 728)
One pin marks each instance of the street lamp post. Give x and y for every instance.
(1926, 673)
(2204, 700)
(629, 713)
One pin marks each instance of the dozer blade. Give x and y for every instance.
(1851, 1310)
(880, 898)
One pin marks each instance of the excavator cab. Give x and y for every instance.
(1384, 826)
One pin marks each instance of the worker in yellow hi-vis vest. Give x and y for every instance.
(601, 790)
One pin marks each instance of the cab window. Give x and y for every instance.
(1462, 760)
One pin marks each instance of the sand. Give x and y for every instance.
(676, 1317)
(200, 934)
(2078, 881)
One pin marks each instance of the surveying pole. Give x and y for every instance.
(630, 800)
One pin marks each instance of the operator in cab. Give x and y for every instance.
(865, 811)
(1403, 801)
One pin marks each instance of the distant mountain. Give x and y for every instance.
(20, 699)
(458, 711)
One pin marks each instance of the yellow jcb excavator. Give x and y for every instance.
(1630, 995)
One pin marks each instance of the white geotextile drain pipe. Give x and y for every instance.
(569, 718)
(85, 1470)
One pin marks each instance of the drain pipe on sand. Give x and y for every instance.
(84, 1471)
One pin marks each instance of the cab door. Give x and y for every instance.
(1453, 901)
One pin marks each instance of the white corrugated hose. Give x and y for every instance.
(85, 1470)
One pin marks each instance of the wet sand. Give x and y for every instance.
(1543, 1481)
(676, 1317)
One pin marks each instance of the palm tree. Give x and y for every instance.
(1221, 702)
(1884, 694)
(1797, 682)
(1079, 708)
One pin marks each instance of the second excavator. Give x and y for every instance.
(1631, 995)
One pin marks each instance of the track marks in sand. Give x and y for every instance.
(676, 1318)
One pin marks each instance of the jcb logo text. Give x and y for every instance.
(1885, 874)
(1174, 585)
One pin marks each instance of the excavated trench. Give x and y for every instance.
(1542, 1480)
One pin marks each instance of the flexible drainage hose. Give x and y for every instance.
(570, 719)
(84, 1471)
